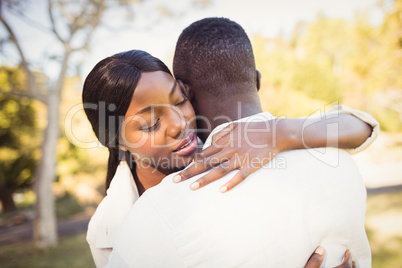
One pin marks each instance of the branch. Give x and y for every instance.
(85, 44)
(74, 27)
(94, 23)
(20, 94)
(17, 92)
(33, 91)
(30, 21)
(52, 23)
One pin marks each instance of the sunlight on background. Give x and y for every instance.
(310, 53)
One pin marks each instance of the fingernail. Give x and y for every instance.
(195, 185)
(177, 178)
(223, 189)
(320, 250)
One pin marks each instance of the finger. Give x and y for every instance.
(217, 143)
(238, 178)
(196, 168)
(224, 132)
(215, 174)
(201, 165)
(210, 150)
(316, 259)
(347, 260)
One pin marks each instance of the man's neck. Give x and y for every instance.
(218, 111)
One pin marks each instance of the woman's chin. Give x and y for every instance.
(183, 162)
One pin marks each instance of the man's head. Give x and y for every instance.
(215, 56)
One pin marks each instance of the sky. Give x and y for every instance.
(157, 34)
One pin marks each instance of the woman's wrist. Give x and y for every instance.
(288, 135)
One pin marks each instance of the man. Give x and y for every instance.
(277, 217)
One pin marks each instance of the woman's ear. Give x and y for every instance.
(122, 146)
(258, 80)
(186, 90)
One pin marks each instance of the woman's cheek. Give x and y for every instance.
(152, 148)
(189, 113)
(145, 153)
(135, 139)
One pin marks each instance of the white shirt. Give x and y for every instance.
(275, 218)
(123, 192)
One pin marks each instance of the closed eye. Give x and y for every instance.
(182, 102)
(152, 128)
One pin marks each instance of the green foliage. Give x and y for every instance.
(356, 63)
(67, 205)
(316, 80)
(388, 119)
(11, 79)
(17, 142)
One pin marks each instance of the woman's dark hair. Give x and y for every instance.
(108, 90)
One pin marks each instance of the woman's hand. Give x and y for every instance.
(317, 258)
(246, 146)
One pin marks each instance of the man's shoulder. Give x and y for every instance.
(291, 172)
(290, 163)
(275, 203)
(168, 191)
(331, 157)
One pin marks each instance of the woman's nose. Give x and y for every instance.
(176, 124)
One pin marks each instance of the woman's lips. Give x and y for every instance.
(187, 146)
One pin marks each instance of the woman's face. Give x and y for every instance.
(159, 127)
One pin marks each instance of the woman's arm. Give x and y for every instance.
(343, 131)
(341, 127)
(248, 146)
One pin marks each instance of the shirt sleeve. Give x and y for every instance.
(100, 255)
(365, 117)
(110, 213)
(145, 240)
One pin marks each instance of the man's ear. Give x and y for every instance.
(258, 79)
(186, 90)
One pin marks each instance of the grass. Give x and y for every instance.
(383, 225)
(384, 229)
(71, 252)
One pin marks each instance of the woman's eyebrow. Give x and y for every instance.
(146, 109)
(173, 88)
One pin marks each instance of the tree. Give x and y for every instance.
(17, 142)
(72, 24)
(357, 62)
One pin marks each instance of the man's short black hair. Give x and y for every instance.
(214, 54)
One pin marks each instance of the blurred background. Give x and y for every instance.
(311, 54)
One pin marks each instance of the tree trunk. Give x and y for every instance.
(45, 225)
(7, 200)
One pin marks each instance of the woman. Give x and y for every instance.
(144, 118)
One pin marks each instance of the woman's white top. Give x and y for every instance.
(121, 195)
